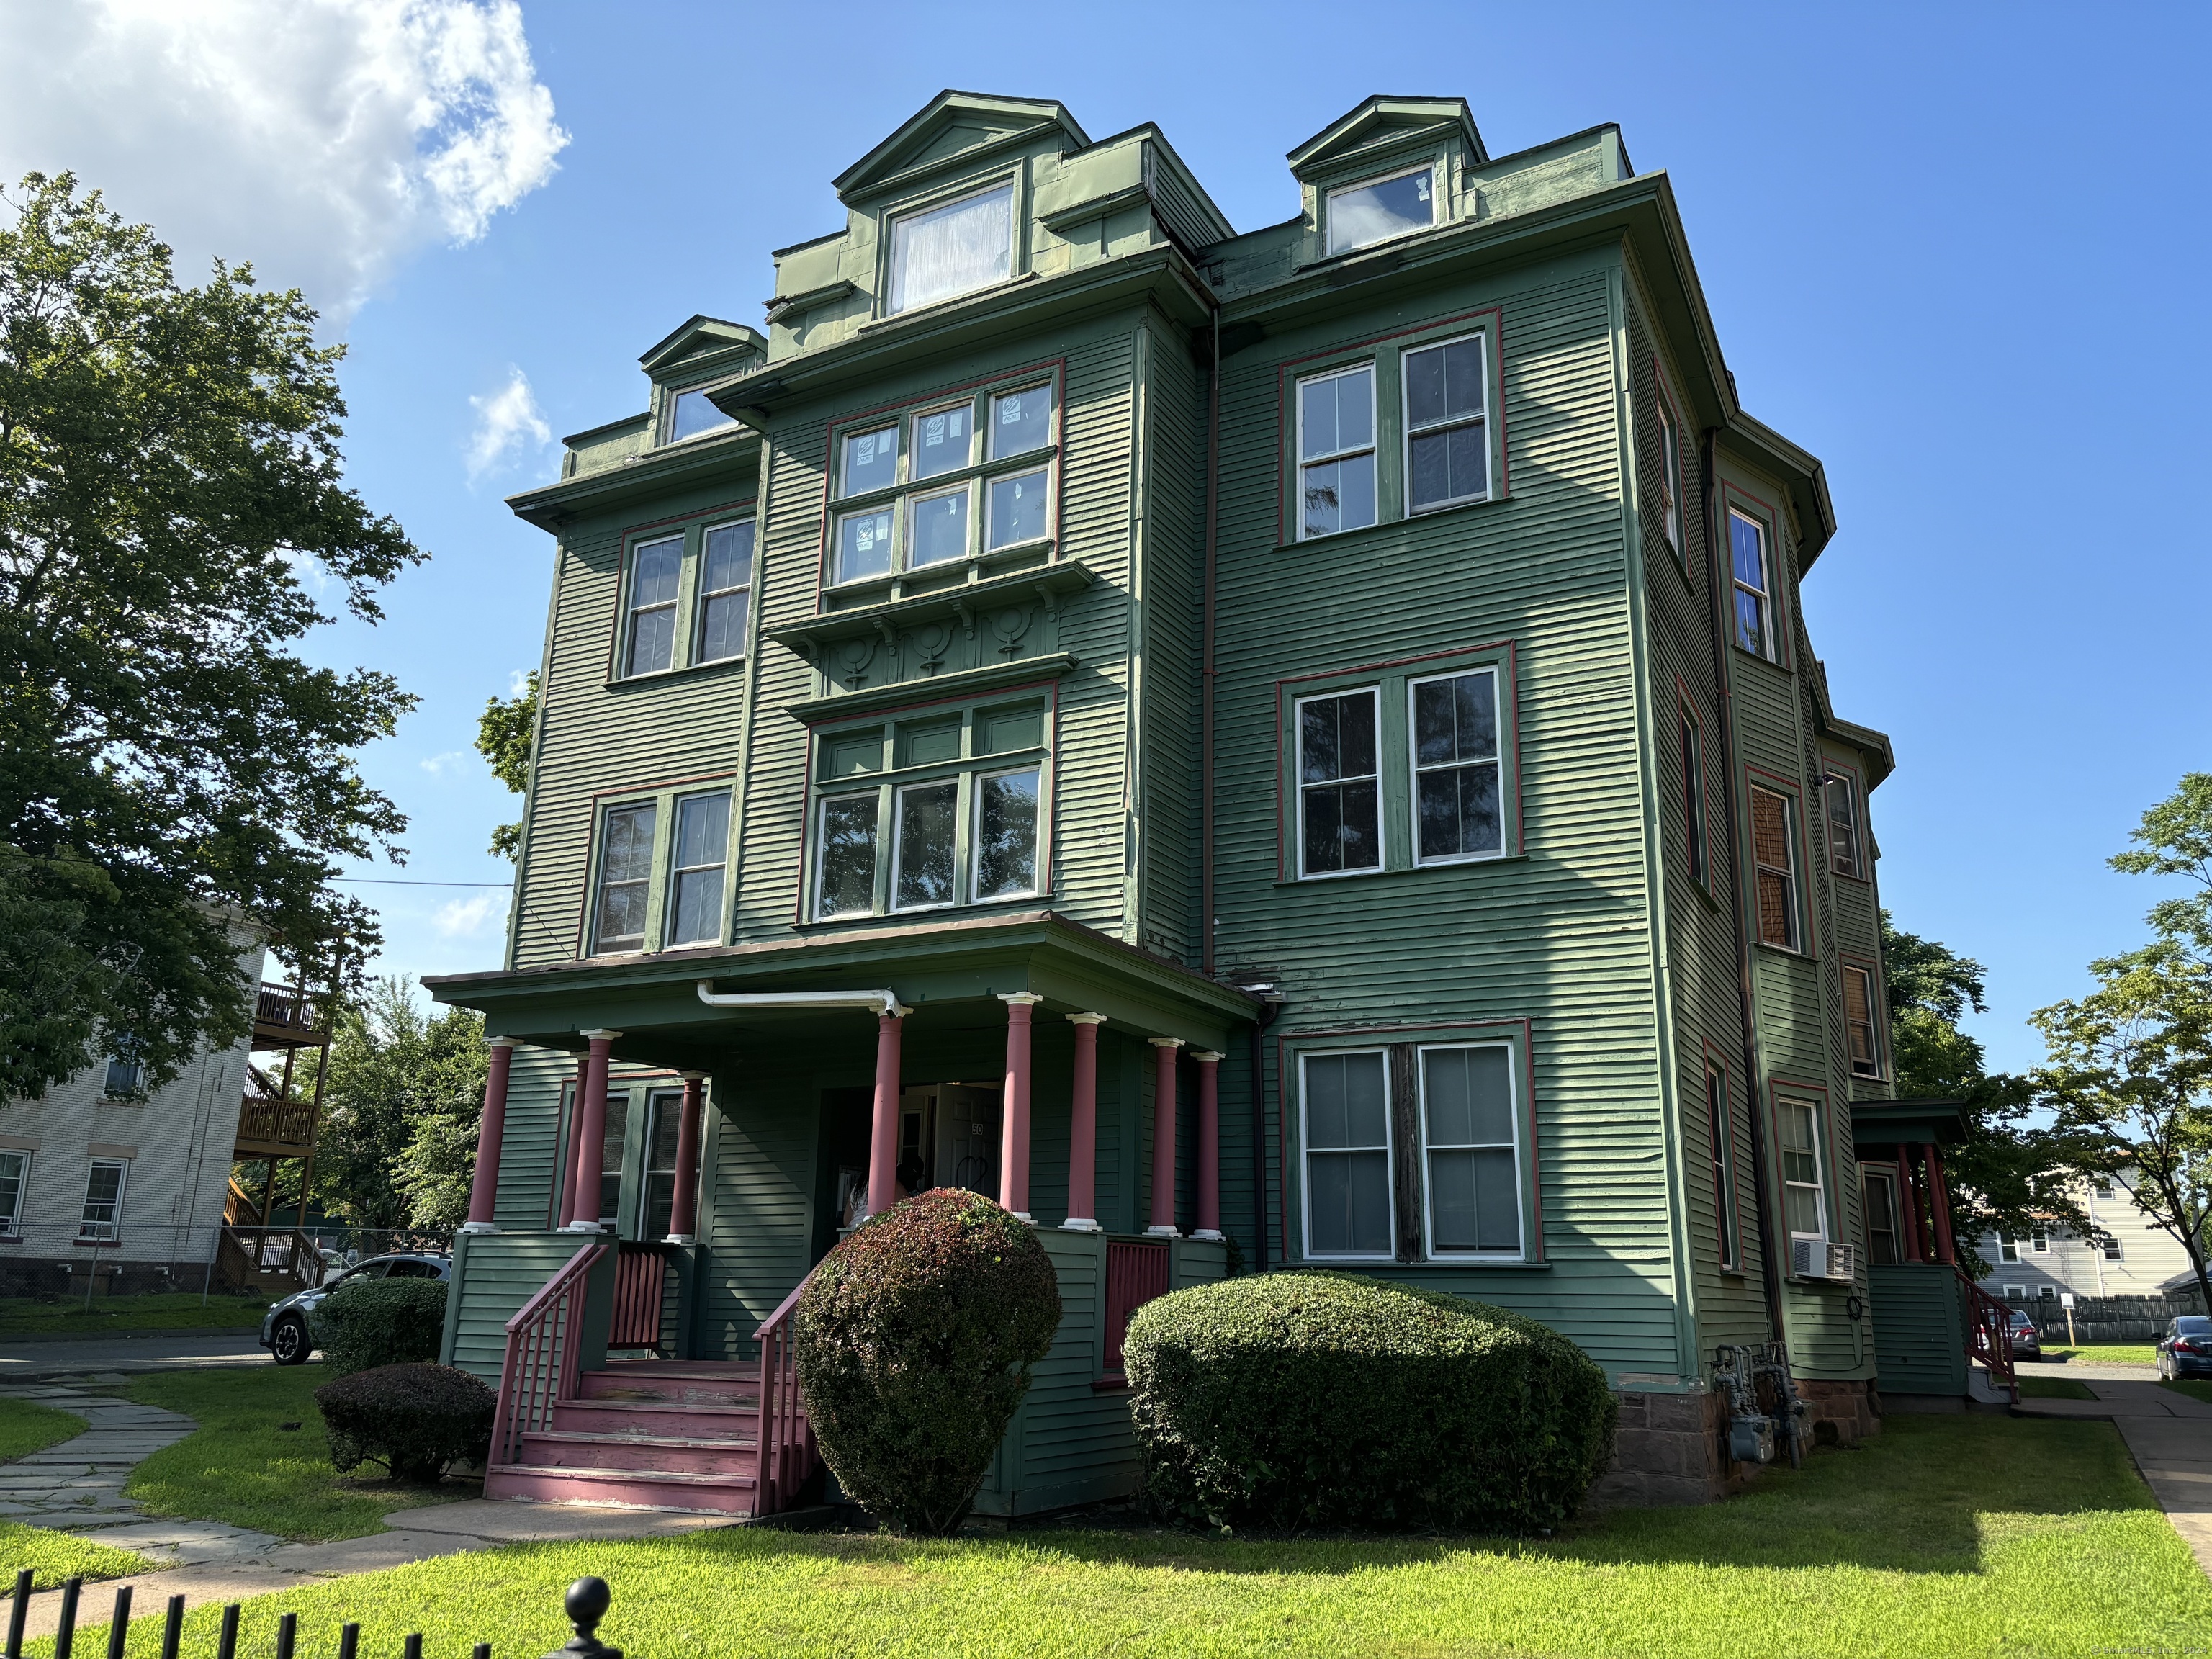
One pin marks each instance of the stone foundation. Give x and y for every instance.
(31, 1276)
(1673, 1448)
(1841, 1413)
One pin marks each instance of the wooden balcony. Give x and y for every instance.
(275, 1128)
(284, 1016)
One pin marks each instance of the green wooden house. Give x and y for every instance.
(1296, 748)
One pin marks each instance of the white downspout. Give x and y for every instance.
(883, 1002)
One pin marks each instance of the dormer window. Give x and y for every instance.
(691, 413)
(1381, 208)
(964, 245)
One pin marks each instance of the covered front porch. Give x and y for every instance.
(716, 1119)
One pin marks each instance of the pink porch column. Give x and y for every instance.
(684, 1212)
(882, 1139)
(484, 1188)
(1163, 1140)
(1083, 1127)
(1209, 1144)
(576, 1132)
(590, 1135)
(1908, 1201)
(1014, 1129)
(1939, 1205)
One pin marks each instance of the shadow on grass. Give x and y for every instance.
(1913, 1500)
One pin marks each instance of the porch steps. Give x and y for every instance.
(651, 1434)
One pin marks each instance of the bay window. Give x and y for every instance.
(1755, 629)
(1863, 1037)
(1845, 855)
(1774, 859)
(1716, 1138)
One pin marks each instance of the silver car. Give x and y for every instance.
(288, 1330)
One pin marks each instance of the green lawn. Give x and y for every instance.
(1964, 1535)
(54, 1556)
(166, 1310)
(243, 1468)
(2195, 1386)
(26, 1427)
(2107, 1354)
(2054, 1388)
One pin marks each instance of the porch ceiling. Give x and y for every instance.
(950, 974)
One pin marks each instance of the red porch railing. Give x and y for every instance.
(1989, 1335)
(1135, 1274)
(542, 1363)
(787, 1453)
(640, 1273)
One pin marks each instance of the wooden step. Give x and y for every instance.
(662, 1453)
(656, 1416)
(644, 1489)
(702, 1384)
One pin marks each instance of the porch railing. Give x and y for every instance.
(281, 1122)
(285, 1006)
(1135, 1274)
(640, 1272)
(787, 1453)
(541, 1364)
(1989, 1335)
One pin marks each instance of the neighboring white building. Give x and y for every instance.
(2130, 1255)
(98, 1171)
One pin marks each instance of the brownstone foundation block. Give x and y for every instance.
(1671, 1448)
(1842, 1413)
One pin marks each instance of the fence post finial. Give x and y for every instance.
(587, 1602)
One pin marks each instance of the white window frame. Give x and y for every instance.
(1769, 613)
(911, 457)
(676, 397)
(651, 804)
(1372, 447)
(1421, 1126)
(1306, 1156)
(822, 805)
(705, 594)
(899, 793)
(1407, 433)
(2015, 1292)
(632, 609)
(1497, 763)
(1796, 943)
(975, 875)
(11, 1224)
(2039, 1244)
(893, 305)
(1043, 469)
(136, 1088)
(672, 886)
(895, 427)
(1328, 206)
(2007, 1249)
(2112, 1249)
(1848, 785)
(1819, 1166)
(1872, 1176)
(88, 1227)
(1670, 472)
(904, 561)
(1873, 1023)
(1374, 694)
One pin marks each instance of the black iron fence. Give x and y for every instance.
(585, 1606)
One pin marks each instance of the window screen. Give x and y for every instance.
(1473, 1168)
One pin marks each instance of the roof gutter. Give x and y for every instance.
(880, 1002)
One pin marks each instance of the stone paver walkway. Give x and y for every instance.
(2170, 1437)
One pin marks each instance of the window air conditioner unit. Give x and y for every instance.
(1813, 1258)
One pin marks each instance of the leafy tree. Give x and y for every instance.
(2131, 1076)
(2176, 840)
(2008, 1176)
(401, 1104)
(505, 733)
(172, 777)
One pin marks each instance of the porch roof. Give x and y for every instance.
(1923, 1123)
(940, 970)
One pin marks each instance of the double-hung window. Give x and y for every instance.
(701, 858)
(2008, 1250)
(625, 878)
(1456, 794)
(1755, 629)
(1345, 1100)
(1336, 451)
(687, 599)
(954, 249)
(1446, 446)
(1670, 476)
(1716, 1134)
(102, 1220)
(1797, 1129)
(954, 816)
(1880, 1188)
(1378, 209)
(15, 1181)
(656, 573)
(726, 581)
(124, 1078)
(1774, 859)
(1693, 794)
(662, 873)
(1471, 1153)
(665, 1113)
(1845, 856)
(949, 483)
(1339, 827)
(1863, 1036)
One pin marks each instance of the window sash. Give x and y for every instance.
(1798, 1131)
(1862, 1037)
(698, 871)
(1016, 427)
(1484, 774)
(123, 1077)
(865, 452)
(1774, 859)
(925, 850)
(2007, 1249)
(1879, 1188)
(15, 1181)
(626, 850)
(940, 441)
(865, 543)
(1716, 1113)
(1670, 476)
(995, 867)
(855, 817)
(1020, 509)
(1753, 582)
(104, 1186)
(1345, 233)
(692, 412)
(725, 606)
(1472, 422)
(664, 1124)
(649, 628)
(938, 526)
(1329, 469)
(1357, 1170)
(1353, 798)
(1843, 826)
(953, 248)
(1476, 1159)
(1693, 795)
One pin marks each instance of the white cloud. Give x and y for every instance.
(325, 140)
(518, 682)
(465, 918)
(509, 426)
(452, 761)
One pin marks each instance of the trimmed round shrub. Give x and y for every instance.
(1299, 1399)
(381, 1322)
(416, 1420)
(914, 1343)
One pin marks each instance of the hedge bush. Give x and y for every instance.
(381, 1322)
(914, 1343)
(1299, 1399)
(416, 1420)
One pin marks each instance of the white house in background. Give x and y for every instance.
(2130, 1255)
(101, 1170)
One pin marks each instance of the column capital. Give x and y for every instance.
(1019, 999)
(694, 1077)
(599, 1037)
(501, 1043)
(1206, 1056)
(1165, 1042)
(1086, 1019)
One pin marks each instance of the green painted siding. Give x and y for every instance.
(1920, 1329)
(494, 1274)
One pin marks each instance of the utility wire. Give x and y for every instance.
(389, 881)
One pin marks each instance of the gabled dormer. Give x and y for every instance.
(974, 193)
(1388, 169)
(704, 354)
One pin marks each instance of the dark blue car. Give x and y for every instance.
(2185, 1350)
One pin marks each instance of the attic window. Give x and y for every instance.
(1381, 208)
(964, 245)
(691, 413)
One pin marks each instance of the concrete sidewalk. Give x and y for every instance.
(2170, 1437)
(108, 1356)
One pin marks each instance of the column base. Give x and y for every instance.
(1163, 1232)
(1210, 1235)
(583, 1227)
(476, 1227)
(681, 1238)
(1024, 1217)
(1080, 1225)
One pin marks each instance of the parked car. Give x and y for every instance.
(2027, 1340)
(2185, 1350)
(288, 1330)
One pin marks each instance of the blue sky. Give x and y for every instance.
(1957, 253)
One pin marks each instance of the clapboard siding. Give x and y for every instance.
(498, 1274)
